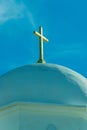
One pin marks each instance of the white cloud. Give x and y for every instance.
(11, 9)
(69, 50)
(75, 49)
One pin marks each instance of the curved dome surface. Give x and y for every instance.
(43, 83)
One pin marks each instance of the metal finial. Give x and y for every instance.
(41, 39)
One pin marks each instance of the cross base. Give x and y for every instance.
(41, 61)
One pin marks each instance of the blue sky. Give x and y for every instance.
(64, 23)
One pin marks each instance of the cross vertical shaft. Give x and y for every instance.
(41, 39)
(41, 58)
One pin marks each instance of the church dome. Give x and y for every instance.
(43, 83)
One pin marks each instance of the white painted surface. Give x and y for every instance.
(28, 116)
(43, 83)
(43, 97)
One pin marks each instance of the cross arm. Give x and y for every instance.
(38, 34)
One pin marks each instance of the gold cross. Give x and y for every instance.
(41, 39)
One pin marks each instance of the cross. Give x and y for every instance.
(41, 40)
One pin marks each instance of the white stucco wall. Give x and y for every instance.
(9, 118)
(27, 116)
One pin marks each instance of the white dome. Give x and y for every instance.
(43, 83)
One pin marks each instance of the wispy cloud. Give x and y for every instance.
(11, 9)
(71, 49)
(68, 50)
